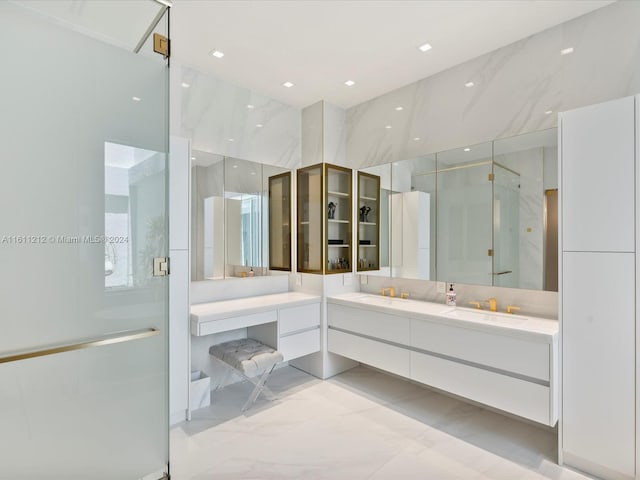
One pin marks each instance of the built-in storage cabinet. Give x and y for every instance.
(368, 211)
(280, 222)
(512, 373)
(324, 219)
(310, 219)
(338, 219)
(598, 306)
(598, 180)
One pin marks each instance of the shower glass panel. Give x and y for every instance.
(464, 212)
(84, 346)
(506, 227)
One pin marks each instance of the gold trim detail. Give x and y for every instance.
(108, 339)
(161, 44)
(490, 252)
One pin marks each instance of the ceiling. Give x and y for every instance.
(319, 44)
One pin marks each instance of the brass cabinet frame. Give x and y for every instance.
(376, 179)
(272, 227)
(325, 171)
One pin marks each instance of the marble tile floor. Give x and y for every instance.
(361, 424)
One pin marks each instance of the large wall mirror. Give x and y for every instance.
(230, 212)
(481, 214)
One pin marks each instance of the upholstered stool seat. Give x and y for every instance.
(249, 359)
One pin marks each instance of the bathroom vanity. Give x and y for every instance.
(508, 362)
(289, 322)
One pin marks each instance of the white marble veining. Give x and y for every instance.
(514, 87)
(359, 425)
(513, 325)
(217, 118)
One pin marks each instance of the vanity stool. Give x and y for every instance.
(250, 359)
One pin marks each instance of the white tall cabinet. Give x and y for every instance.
(598, 309)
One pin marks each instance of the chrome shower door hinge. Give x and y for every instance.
(160, 266)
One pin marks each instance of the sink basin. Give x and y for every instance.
(482, 316)
(379, 299)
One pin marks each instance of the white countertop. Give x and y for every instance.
(209, 312)
(514, 325)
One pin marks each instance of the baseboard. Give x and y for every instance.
(591, 468)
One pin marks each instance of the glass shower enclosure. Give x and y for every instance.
(83, 195)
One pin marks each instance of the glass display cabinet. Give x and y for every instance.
(368, 222)
(324, 219)
(280, 222)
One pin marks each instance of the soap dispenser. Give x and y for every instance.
(451, 296)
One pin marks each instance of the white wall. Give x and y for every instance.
(514, 87)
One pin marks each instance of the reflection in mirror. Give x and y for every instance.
(207, 212)
(464, 211)
(243, 217)
(526, 230)
(229, 216)
(278, 217)
(369, 219)
(413, 218)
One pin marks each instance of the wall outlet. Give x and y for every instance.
(441, 287)
(364, 279)
(298, 279)
(347, 279)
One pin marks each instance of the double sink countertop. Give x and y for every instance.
(529, 327)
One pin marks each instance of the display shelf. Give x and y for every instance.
(368, 210)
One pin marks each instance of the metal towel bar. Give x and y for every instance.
(108, 339)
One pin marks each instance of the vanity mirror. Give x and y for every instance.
(230, 213)
(482, 214)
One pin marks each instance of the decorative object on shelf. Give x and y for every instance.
(332, 210)
(336, 241)
(364, 213)
(365, 242)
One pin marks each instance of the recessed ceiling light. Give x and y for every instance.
(235, 166)
(566, 51)
(136, 99)
(231, 139)
(287, 84)
(467, 149)
(399, 108)
(185, 85)
(425, 47)
(388, 127)
(349, 83)
(253, 173)
(416, 139)
(259, 125)
(469, 84)
(548, 112)
(216, 53)
(250, 107)
(193, 158)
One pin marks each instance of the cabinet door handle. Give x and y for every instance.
(107, 339)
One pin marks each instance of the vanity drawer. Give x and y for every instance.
(525, 399)
(299, 318)
(300, 344)
(377, 354)
(515, 355)
(233, 323)
(384, 326)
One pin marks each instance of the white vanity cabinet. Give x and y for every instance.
(377, 339)
(287, 321)
(598, 307)
(299, 330)
(511, 369)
